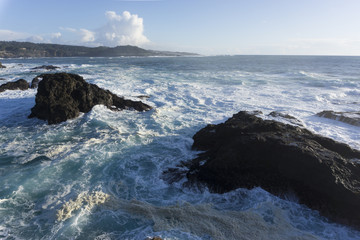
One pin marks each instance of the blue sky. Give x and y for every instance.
(311, 27)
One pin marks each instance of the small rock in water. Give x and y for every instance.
(46, 67)
(2, 66)
(20, 84)
(352, 118)
(286, 117)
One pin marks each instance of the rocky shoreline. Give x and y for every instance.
(247, 151)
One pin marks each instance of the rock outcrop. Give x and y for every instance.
(247, 151)
(2, 66)
(20, 84)
(36, 80)
(63, 96)
(352, 118)
(46, 67)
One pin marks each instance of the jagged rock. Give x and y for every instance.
(2, 66)
(20, 84)
(288, 118)
(46, 67)
(63, 96)
(247, 151)
(352, 118)
(36, 80)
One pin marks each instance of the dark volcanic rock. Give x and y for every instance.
(46, 67)
(352, 118)
(2, 66)
(36, 80)
(63, 96)
(288, 118)
(20, 84)
(247, 151)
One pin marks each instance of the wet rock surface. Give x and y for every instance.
(36, 80)
(352, 118)
(63, 96)
(247, 151)
(46, 67)
(20, 84)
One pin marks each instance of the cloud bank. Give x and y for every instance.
(119, 29)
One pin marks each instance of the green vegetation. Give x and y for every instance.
(28, 49)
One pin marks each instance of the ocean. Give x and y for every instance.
(100, 176)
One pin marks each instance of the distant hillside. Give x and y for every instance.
(28, 49)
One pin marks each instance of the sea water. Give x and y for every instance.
(100, 176)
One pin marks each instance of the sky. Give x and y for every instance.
(209, 27)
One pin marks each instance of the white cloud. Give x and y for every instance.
(86, 35)
(122, 29)
(35, 38)
(125, 29)
(68, 29)
(56, 35)
(7, 35)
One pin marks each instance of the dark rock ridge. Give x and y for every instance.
(46, 67)
(352, 118)
(20, 84)
(63, 96)
(247, 151)
(2, 66)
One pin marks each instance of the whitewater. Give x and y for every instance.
(100, 176)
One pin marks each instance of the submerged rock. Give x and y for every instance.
(288, 118)
(247, 151)
(352, 118)
(63, 96)
(46, 67)
(20, 84)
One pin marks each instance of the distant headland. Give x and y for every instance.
(27, 49)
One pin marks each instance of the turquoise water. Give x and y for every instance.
(123, 154)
